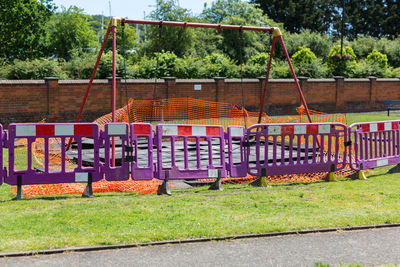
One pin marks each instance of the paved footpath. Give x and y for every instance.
(369, 247)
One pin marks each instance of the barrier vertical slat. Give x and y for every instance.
(46, 154)
(237, 134)
(3, 138)
(290, 149)
(140, 132)
(111, 170)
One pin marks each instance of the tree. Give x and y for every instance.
(22, 28)
(100, 23)
(376, 18)
(174, 39)
(70, 30)
(127, 38)
(239, 46)
(297, 15)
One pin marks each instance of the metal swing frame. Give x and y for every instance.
(112, 29)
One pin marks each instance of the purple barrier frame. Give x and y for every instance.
(375, 144)
(64, 131)
(236, 133)
(184, 133)
(116, 173)
(3, 139)
(142, 131)
(274, 165)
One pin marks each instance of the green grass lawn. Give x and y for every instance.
(117, 218)
(371, 116)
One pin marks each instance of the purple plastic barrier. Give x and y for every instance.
(376, 144)
(294, 148)
(62, 131)
(120, 132)
(190, 151)
(3, 138)
(236, 134)
(142, 140)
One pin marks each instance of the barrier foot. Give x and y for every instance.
(359, 175)
(163, 189)
(395, 169)
(261, 181)
(20, 193)
(332, 177)
(217, 184)
(332, 174)
(88, 192)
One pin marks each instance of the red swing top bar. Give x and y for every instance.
(195, 25)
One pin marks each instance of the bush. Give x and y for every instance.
(303, 56)
(254, 70)
(307, 64)
(318, 43)
(257, 66)
(260, 59)
(364, 69)
(81, 66)
(362, 46)
(281, 70)
(4, 71)
(188, 68)
(146, 68)
(335, 60)
(35, 69)
(219, 65)
(314, 69)
(378, 59)
(395, 73)
(374, 65)
(105, 66)
(392, 50)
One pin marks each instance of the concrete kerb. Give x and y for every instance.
(195, 240)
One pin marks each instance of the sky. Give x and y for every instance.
(132, 9)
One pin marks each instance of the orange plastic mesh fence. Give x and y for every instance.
(103, 186)
(176, 111)
(184, 111)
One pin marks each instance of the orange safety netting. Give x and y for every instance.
(184, 111)
(174, 111)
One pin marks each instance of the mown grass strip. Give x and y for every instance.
(120, 218)
(115, 218)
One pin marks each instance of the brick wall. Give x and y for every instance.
(60, 100)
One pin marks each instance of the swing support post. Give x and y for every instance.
(114, 23)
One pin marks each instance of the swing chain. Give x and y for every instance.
(241, 73)
(124, 57)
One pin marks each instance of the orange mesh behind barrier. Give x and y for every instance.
(178, 111)
(184, 111)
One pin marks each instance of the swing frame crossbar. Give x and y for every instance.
(112, 28)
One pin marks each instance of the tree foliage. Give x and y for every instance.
(298, 15)
(70, 30)
(377, 18)
(126, 39)
(342, 63)
(240, 46)
(175, 39)
(23, 28)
